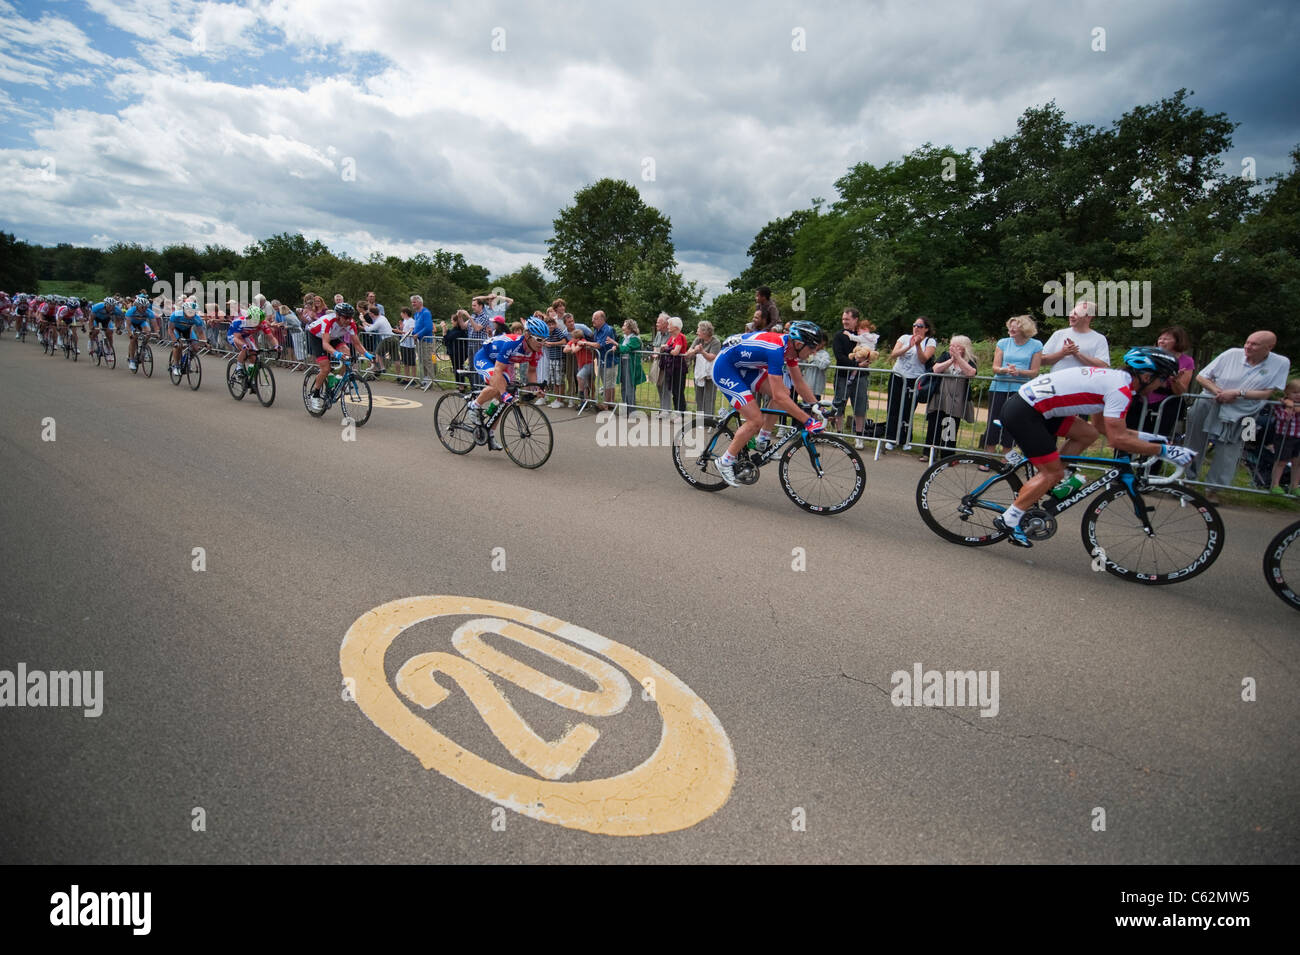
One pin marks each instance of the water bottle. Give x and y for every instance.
(1068, 486)
(492, 406)
(331, 380)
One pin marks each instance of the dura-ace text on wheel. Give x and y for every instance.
(946, 501)
(1186, 538)
(1282, 564)
(823, 476)
(696, 450)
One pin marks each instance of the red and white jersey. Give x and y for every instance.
(337, 328)
(1080, 391)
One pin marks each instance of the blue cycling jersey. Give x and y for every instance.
(180, 320)
(509, 349)
(100, 314)
(138, 314)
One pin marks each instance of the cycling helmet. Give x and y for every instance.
(85, 303)
(254, 315)
(142, 301)
(809, 333)
(1148, 358)
(344, 310)
(536, 327)
(189, 305)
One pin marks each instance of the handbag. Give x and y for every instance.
(656, 373)
(701, 371)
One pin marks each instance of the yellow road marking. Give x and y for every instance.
(385, 401)
(687, 778)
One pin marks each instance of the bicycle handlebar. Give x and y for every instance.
(1150, 462)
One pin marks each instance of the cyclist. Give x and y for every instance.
(242, 334)
(1045, 408)
(142, 317)
(44, 309)
(20, 313)
(493, 363)
(102, 316)
(67, 317)
(324, 336)
(758, 362)
(6, 310)
(186, 323)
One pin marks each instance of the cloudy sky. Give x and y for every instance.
(406, 126)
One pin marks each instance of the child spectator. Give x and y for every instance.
(1286, 439)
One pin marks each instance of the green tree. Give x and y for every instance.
(122, 269)
(655, 285)
(19, 264)
(282, 264)
(598, 242)
(529, 289)
(771, 254)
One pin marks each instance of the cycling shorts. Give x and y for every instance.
(1035, 434)
(737, 385)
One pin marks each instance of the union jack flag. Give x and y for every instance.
(149, 272)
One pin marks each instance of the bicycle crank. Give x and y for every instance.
(745, 472)
(480, 435)
(1037, 524)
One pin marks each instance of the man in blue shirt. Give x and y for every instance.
(607, 356)
(423, 334)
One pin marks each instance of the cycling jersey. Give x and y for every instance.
(100, 315)
(139, 315)
(506, 350)
(1076, 391)
(183, 325)
(745, 360)
(336, 328)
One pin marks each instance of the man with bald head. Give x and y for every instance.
(1240, 380)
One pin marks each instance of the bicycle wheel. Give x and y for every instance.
(110, 357)
(944, 497)
(1282, 564)
(194, 375)
(526, 435)
(67, 348)
(449, 424)
(826, 477)
(98, 352)
(308, 380)
(235, 380)
(356, 400)
(265, 385)
(1188, 533)
(696, 450)
(144, 359)
(174, 370)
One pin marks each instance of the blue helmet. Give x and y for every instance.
(810, 333)
(1148, 358)
(536, 327)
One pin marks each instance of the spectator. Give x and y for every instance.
(1078, 345)
(660, 336)
(407, 343)
(555, 357)
(703, 350)
(1286, 439)
(950, 403)
(767, 317)
(850, 383)
(573, 330)
(1016, 359)
(912, 354)
(370, 300)
(423, 334)
(456, 340)
(1157, 413)
(607, 354)
(1240, 381)
(673, 364)
(292, 328)
(630, 360)
(377, 326)
(583, 362)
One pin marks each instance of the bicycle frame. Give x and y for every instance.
(775, 447)
(1117, 469)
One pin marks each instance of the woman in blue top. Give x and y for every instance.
(1015, 361)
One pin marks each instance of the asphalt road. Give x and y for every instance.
(768, 735)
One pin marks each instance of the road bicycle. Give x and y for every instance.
(70, 349)
(1282, 565)
(821, 473)
(525, 431)
(49, 339)
(143, 355)
(189, 367)
(260, 380)
(1139, 528)
(101, 350)
(347, 390)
